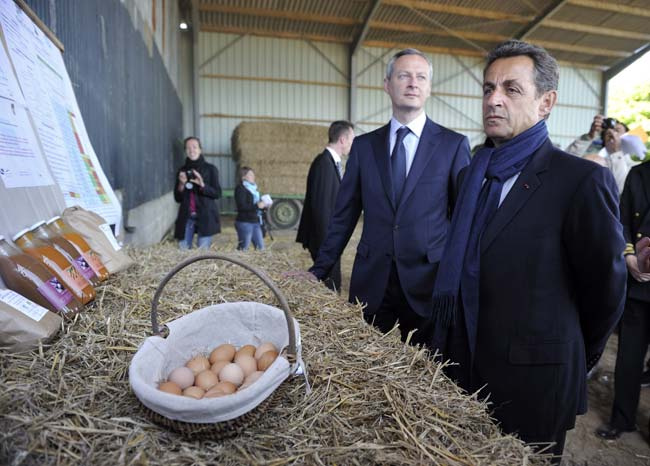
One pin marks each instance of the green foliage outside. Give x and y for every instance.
(632, 107)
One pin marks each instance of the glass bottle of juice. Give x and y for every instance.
(92, 258)
(57, 263)
(28, 277)
(62, 245)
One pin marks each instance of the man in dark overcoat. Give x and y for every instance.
(323, 183)
(532, 280)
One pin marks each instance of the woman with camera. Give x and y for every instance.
(197, 188)
(249, 211)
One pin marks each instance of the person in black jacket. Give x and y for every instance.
(197, 188)
(634, 327)
(323, 183)
(249, 211)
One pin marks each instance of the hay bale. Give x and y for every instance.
(374, 400)
(280, 153)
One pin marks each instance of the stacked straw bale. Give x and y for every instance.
(279, 153)
(374, 399)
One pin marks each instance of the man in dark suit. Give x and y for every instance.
(634, 330)
(401, 176)
(532, 280)
(323, 183)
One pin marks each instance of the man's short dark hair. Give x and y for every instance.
(546, 73)
(189, 138)
(338, 129)
(402, 53)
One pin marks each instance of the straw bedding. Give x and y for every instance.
(280, 153)
(374, 399)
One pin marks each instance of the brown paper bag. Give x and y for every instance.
(96, 232)
(23, 323)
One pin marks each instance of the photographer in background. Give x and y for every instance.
(197, 188)
(612, 150)
(592, 142)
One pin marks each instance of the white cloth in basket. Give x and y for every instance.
(200, 332)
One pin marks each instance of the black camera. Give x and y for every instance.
(608, 123)
(189, 174)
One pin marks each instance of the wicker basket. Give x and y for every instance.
(229, 415)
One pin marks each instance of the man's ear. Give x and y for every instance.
(546, 103)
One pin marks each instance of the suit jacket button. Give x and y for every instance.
(636, 214)
(639, 235)
(395, 227)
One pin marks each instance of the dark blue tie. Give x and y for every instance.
(338, 169)
(398, 163)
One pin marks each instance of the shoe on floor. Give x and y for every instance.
(608, 432)
(645, 379)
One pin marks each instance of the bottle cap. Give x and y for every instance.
(36, 225)
(53, 219)
(19, 234)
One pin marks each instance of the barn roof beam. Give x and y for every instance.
(358, 40)
(553, 8)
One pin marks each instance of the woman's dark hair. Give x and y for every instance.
(189, 139)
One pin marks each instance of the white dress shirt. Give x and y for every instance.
(411, 140)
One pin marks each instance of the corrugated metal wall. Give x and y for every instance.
(246, 77)
(130, 105)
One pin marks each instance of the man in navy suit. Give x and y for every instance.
(323, 183)
(532, 280)
(401, 177)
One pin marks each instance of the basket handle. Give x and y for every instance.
(291, 354)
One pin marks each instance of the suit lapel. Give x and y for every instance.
(380, 146)
(423, 154)
(527, 183)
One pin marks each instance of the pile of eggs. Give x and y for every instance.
(226, 371)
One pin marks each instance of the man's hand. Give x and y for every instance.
(596, 126)
(633, 268)
(643, 255)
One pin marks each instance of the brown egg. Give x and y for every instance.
(251, 379)
(221, 389)
(266, 360)
(198, 364)
(182, 376)
(217, 366)
(225, 352)
(247, 363)
(206, 379)
(232, 373)
(194, 392)
(247, 349)
(263, 348)
(170, 387)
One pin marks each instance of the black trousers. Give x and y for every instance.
(633, 339)
(395, 308)
(333, 279)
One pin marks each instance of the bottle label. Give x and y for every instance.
(82, 266)
(55, 293)
(70, 275)
(22, 304)
(93, 260)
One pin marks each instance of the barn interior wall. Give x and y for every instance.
(127, 72)
(245, 78)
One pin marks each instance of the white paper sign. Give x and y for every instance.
(22, 304)
(106, 229)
